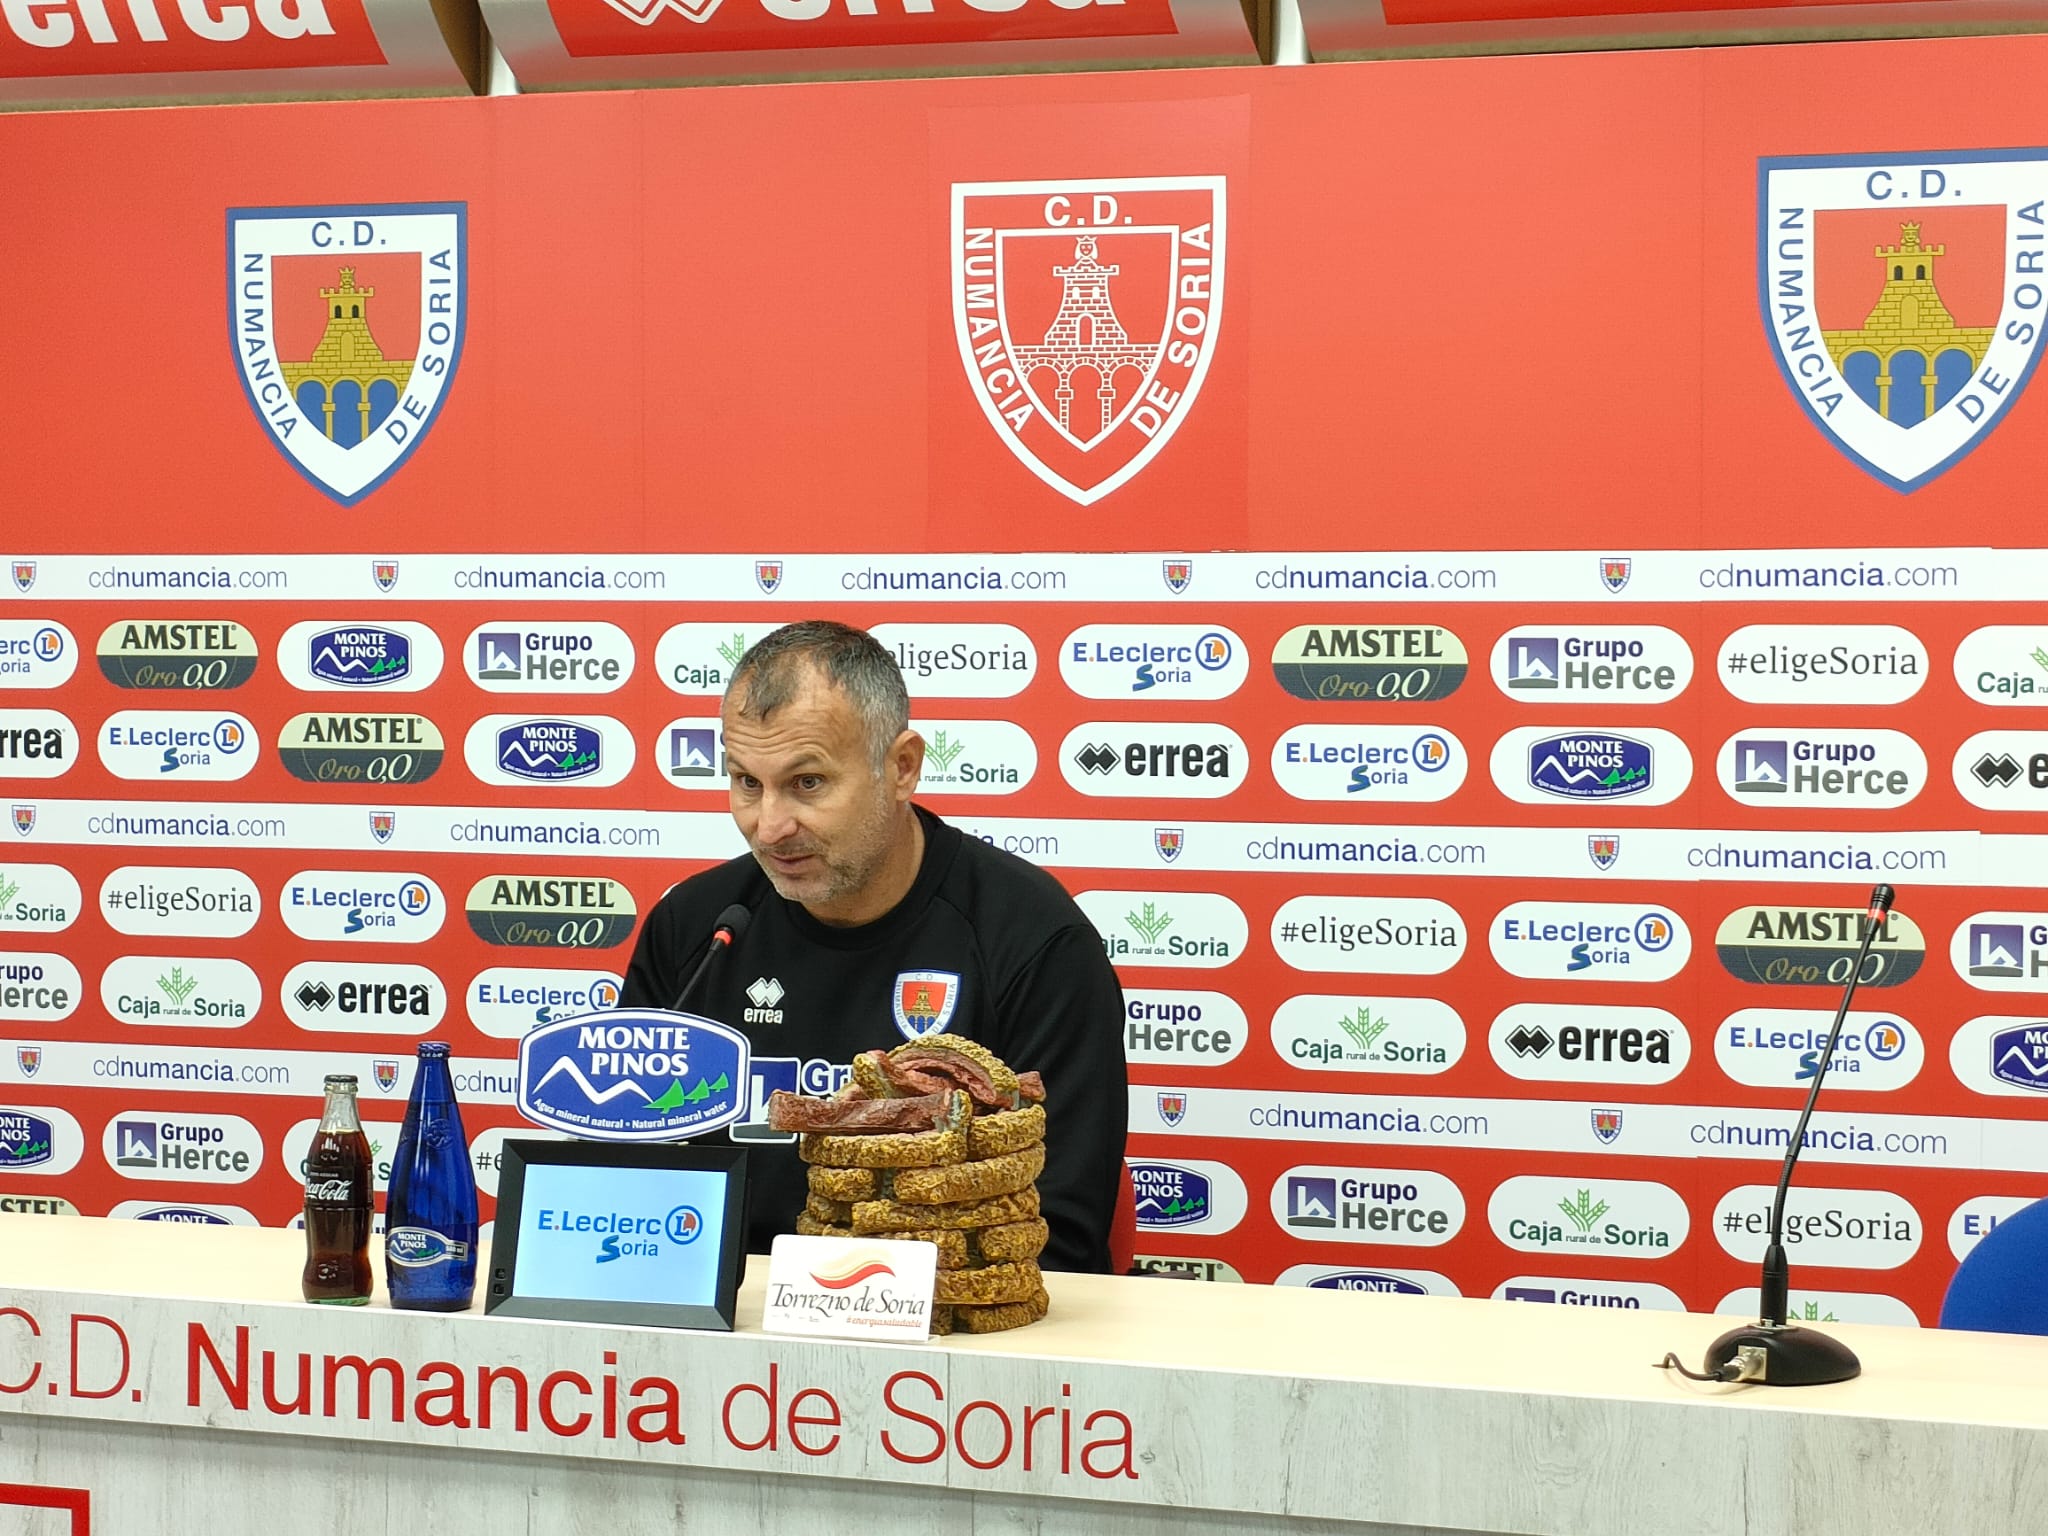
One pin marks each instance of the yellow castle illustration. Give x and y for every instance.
(1909, 331)
(348, 354)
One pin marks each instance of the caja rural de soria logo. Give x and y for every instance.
(1902, 295)
(1087, 313)
(347, 326)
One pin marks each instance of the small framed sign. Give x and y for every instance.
(596, 1232)
(851, 1288)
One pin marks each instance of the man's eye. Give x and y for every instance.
(810, 783)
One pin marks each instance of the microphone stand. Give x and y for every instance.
(1774, 1351)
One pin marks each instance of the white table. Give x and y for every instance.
(133, 1358)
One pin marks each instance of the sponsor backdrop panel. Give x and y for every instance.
(1482, 854)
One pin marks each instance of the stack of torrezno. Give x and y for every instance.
(935, 1142)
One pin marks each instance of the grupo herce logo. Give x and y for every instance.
(975, 757)
(1816, 947)
(1166, 928)
(191, 655)
(151, 744)
(1797, 769)
(320, 656)
(1186, 1194)
(1781, 1048)
(1153, 661)
(1896, 297)
(1086, 314)
(504, 1002)
(1556, 1290)
(361, 748)
(193, 992)
(2004, 665)
(347, 326)
(1546, 765)
(2002, 951)
(1613, 663)
(552, 911)
(1405, 1207)
(555, 751)
(633, 1075)
(1182, 1029)
(362, 906)
(1370, 663)
(1610, 1218)
(1324, 1033)
(36, 653)
(1369, 762)
(582, 656)
(186, 1147)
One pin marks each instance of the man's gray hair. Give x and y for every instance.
(853, 661)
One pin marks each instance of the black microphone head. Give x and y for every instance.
(732, 923)
(1881, 899)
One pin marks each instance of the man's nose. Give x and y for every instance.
(776, 819)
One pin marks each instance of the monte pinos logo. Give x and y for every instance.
(1087, 314)
(347, 326)
(1902, 295)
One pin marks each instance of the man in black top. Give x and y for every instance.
(873, 922)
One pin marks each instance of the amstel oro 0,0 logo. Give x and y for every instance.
(1384, 663)
(1816, 947)
(190, 654)
(552, 911)
(361, 749)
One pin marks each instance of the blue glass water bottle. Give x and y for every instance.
(430, 1215)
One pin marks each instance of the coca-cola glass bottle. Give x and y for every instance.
(430, 1214)
(338, 1208)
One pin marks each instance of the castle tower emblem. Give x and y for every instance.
(1087, 314)
(1903, 297)
(347, 326)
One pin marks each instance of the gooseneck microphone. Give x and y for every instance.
(725, 933)
(1773, 1351)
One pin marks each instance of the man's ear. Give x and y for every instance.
(904, 765)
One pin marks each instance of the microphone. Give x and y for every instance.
(725, 933)
(1775, 1352)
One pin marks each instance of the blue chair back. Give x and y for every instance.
(2002, 1284)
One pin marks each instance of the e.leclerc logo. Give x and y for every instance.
(1776, 768)
(1548, 765)
(1153, 661)
(1403, 1207)
(1610, 663)
(338, 656)
(1589, 941)
(1381, 663)
(1781, 1048)
(36, 653)
(1816, 947)
(505, 1002)
(537, 911)
(566, 752)
(633, 1075)
(362, 906)
(191, 655)
(1369, 762)
(156, 744)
